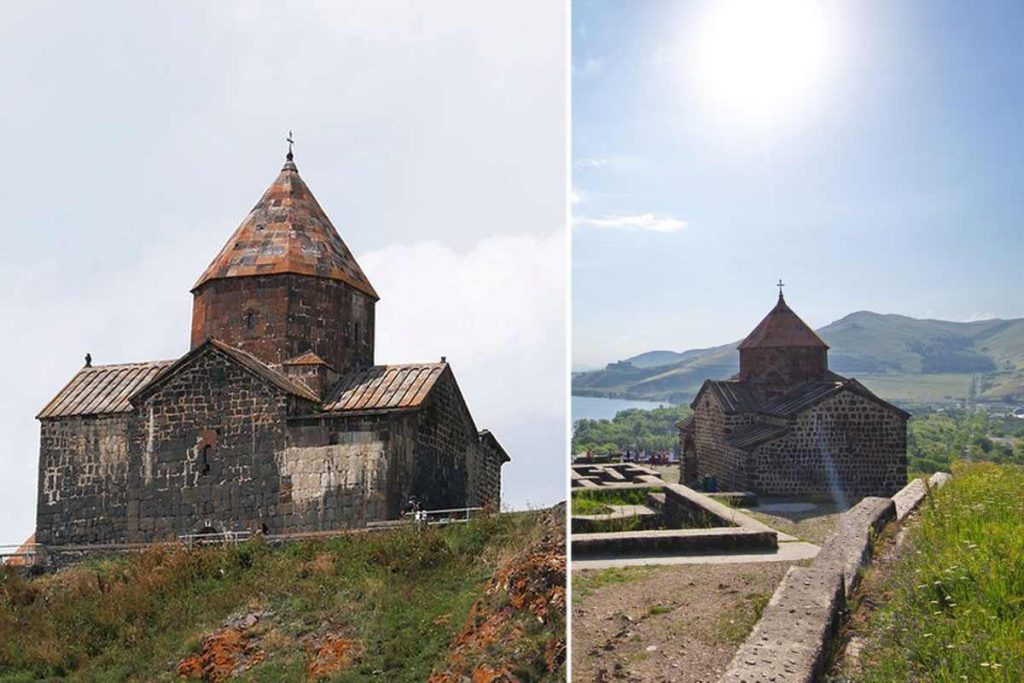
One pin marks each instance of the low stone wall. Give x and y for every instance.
(849, 546)
(673, 541)
(909, 498)
(791, 642)
(706, 526)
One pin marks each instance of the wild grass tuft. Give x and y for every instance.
(954, 607)
(403, 595)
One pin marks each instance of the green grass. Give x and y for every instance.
(596, 501)
(403, 595)
(736, 623)
(953, 605)
(585, 583)
(588, 506)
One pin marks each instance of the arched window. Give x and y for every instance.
(250, 320)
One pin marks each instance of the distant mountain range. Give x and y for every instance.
(900, 358)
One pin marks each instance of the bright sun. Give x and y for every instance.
(760, 60)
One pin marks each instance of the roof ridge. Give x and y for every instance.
(284, 381)
(126, 365)
(287, 231)
(782, 328)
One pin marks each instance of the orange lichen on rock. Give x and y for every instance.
(329, 655)
(229, 651)
(524, 597)
(222, 654)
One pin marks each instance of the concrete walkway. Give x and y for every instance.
(788, 551)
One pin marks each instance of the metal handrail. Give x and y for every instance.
(218, 537)
(423, 517)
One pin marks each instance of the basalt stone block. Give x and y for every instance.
(849, 546)
(909, 497)
(792, 640)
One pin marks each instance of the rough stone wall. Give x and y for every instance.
(83, 471)
(446, 440)
(203, 453)
(384, 440)
(335, 486)
(487, 490)
(714, 457)
(215, 447)
(277, 317)
(847, 443)
(687, 457)
(771, 371)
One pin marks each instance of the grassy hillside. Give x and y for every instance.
(485, 598)
(950, 608)
(901, 358)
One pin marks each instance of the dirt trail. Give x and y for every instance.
(678, 623)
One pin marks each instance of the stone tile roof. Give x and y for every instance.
(287, 232)
(307, 358)
(109, 389)
(802, 397)
(486, 435)
(103, 389)
(756, 434)
(737, 398)
(734, 396)
(782, 328)
(686, 424)
(384, 387)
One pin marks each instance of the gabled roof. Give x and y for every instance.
(103, 389)
(487, 436)
(384, 387)
(307, 358)
(247, 361)
(756, 434)
(803, 396)
(782, 328)
(734, 396)
(287, 232)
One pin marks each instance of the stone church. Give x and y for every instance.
(276, 420)
(787, 425)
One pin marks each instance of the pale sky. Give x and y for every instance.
(870, 153)
(138, 135)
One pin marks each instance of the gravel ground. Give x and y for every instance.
(679, 623)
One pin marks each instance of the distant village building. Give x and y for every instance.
(276, 420)
(787, 425)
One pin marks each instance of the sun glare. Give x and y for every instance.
(760, 60)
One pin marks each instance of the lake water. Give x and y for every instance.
(595, 408)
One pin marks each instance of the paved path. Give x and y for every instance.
(788, 551)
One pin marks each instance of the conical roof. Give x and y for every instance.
(782, 328)
(287, 232)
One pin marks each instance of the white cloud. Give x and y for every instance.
(645, 221)
(979, 316)
(497, 312)
(592, 162)
(391, 106)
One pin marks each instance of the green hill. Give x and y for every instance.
(901, 358)
(483, 601)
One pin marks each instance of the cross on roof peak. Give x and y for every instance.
(780, 285)
(290, 142)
